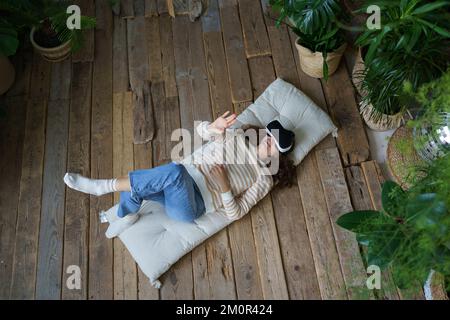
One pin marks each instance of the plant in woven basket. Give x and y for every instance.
(411, 233)
(49, 18)
(412, 45)
(316, 23)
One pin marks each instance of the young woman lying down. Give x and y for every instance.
(229, 174)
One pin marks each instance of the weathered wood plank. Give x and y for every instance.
(143, 115)
(352, 140)
(241, 106)
(29, 207)
(213, 269)
(234, 48)
(167, 53)
(338, 202)
(12, 126)
(151, 8)
(219, 84)
(86, 52)
(50, 255)
(121, 82)
(162, 7)
(268, 251)
(127, 8)
(191, 75)
(262, 74)
(177, 283)
(100, 248)
(125, 271)
(137, 53)
(40, 77)
(154, 49)
(296, 251)
(76, 223)
(326, 259)
(254, 29)
(139, 8)
(245, 261)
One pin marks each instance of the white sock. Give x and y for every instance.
(96, 187)
(120, 225)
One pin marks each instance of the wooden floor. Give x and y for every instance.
(78, 116)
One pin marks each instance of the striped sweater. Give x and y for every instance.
(250, 181)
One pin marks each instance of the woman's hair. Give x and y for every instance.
(286, 170)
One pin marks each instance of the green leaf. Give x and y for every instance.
(430, 7)
(357, 221)
(389, 190)
(8, 45)
(381, 251)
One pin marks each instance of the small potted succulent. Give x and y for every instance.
(46, 21)
(321, 40)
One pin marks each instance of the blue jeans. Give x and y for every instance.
(171, 185)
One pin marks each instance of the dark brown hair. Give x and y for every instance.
(286, 171)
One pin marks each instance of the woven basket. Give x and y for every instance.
(383, 122)
(56, 54)
(399, 161)
(312, 62)
(357, 73)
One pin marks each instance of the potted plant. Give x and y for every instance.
(410, 46)
(410, 234)
(47, 23)
(321, 41)
(8, 46)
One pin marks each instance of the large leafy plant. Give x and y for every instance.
(411, 233)
(411, 45)
(316, 23)
(48, 16)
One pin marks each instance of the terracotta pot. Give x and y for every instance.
(312, 62)
(55, 54)
(380, 122)
(7, 74)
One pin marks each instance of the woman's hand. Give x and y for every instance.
(221, 123)
(219, 174)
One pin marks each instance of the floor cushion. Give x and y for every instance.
(156, 242)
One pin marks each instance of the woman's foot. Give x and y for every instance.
(96, 187)
(120, 225)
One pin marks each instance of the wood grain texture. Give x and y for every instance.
(12, 125)
(352, 140)
(143, 115)
(100, 276)
(137, 53)
(262, 74)
(326, 258)
(76, 230)
(29, 206)
(235, 52)
(139, 8)
(121, 80)
(22, 62)
(125, 270)
(338, 202)
(86, 52)
(167, 53)
(51, 238)
(154, 49)
(127, 8)
(270, 262)
(254, 29)
(213, 269)
(151, 8)
(191, 75)
(216, 66)
(40, 77)
(245, 261)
